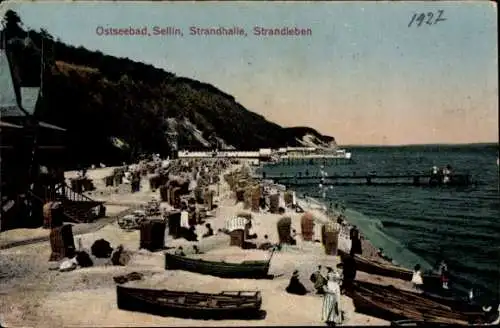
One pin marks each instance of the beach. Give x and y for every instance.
(34, 295)
(339, 172)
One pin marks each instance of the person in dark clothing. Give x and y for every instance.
(136, 182)
(355, 242)
(292, 237)
(295, 286)
(189, 234)
(354, 233)
(442, 267)
(318, 280)
(210, 231)
(262, 203)
(349, 270)
(445, 276)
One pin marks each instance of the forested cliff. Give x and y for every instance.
(99, 98)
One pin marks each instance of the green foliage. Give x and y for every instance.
(96, 96)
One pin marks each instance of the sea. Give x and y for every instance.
(422, 225)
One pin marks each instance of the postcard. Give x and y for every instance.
(246, 163)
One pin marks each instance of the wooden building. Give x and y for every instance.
(31, 150)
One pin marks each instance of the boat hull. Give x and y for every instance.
(226, 305)
(249, 270)
(431, 281)
(391, 304)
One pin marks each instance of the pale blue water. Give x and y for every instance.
(424, 225)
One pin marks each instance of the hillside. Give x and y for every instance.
(99, 97)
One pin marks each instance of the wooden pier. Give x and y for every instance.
(456, 180)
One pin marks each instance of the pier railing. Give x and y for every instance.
(416, 179)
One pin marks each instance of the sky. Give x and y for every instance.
(362, 76)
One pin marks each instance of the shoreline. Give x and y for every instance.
(462, 285)
(368, 249)
(41, 296)
(322, 215)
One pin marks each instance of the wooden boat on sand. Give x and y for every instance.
(226, 305)
(387, 270)
(456, 304)
(391, 304)
(243, 270)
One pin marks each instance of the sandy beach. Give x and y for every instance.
(333, 164)
(33, 295)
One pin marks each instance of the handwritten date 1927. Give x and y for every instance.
(431, 18)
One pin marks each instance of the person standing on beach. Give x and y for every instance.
(318, 280)
(445, 278)
(470, 297)
(331, 312)
(442, 267)
(416, 279)
(355, 242)
(444, 274)
(349, 271)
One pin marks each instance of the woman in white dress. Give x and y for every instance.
(416, 279)
(332, 313)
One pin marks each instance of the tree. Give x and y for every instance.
(12, 25)
(46, 35)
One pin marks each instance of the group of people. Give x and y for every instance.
(418, 281)
(331, 285)
(187, 229)
(443, 174)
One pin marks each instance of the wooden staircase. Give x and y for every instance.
(76, 206)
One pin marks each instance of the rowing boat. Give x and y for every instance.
(388, 270)
(225, 305)
(454, 303)
(243, 270)
(391, 304)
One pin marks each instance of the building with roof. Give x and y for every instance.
(26, 144)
